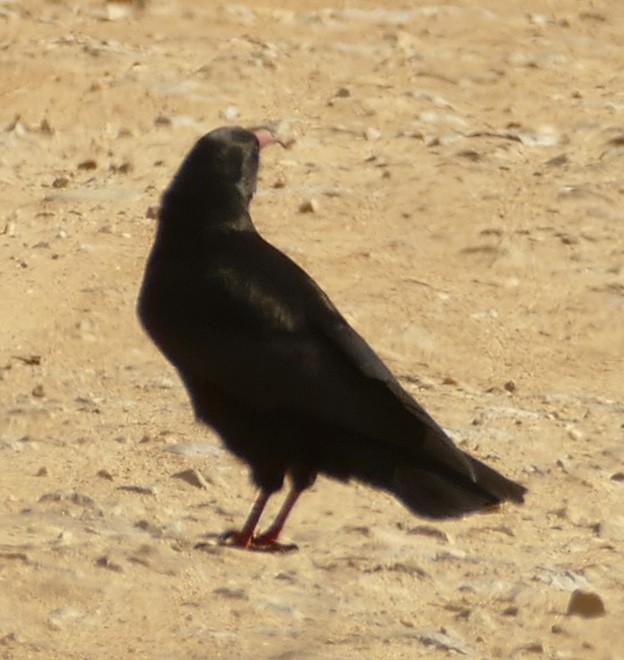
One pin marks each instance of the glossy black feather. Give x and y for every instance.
(270, 363)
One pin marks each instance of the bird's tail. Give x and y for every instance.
(436, 492)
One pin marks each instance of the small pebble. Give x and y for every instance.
(430, 531)
(105, 562)
(45, 127)
(192, 477)
(309, 206)
(586, 604)
(87, 165)
(140, 490)
(60, 182)
(372, 134)
(575, 434)
(10, 229)
(38, 391)
(611, 529)
(533, 647)
(230, 113)
(123, 168)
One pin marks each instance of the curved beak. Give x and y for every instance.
(266, 137)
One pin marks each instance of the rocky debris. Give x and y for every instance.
(586, 604)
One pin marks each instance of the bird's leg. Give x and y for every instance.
(269, 538)
(266, 542)
(244, 538)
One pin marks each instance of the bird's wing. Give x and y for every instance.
(402, 412)
(354, 347)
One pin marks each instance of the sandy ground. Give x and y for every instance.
(465, 167)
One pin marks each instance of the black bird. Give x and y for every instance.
(271, 364)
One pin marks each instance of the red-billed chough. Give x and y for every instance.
(271, 364)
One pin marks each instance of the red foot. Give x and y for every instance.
(266, 542)
(260, 543)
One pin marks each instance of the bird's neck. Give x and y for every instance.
(194, 220)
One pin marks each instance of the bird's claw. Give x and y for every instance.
(260, 543)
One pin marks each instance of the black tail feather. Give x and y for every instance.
(435, 493)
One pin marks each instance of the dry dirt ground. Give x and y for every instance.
(465, 165)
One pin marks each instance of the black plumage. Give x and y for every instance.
(273, 367)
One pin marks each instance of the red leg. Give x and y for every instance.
(269, 538)
(244, 538)
(266, 542)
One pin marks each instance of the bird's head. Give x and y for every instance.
(221, 170)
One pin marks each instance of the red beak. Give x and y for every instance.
(265, 137)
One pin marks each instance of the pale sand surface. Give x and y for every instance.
(467, 165)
